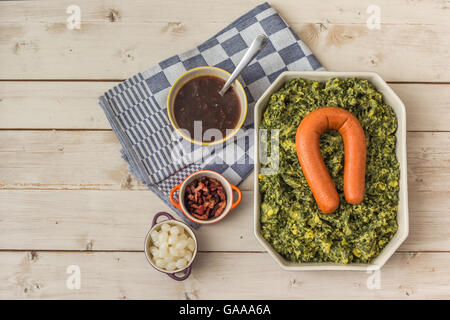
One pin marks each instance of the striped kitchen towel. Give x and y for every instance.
(136, 108)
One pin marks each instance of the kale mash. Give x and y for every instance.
(290, 219)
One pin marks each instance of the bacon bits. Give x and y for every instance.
(205, 198)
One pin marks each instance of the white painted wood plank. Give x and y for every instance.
(427, 106)
(52, 105)
(308, 11)
(76, 220)
(119, 220)
(43, 48)
(70, 159)
(35, 44)
(73, 105)
(215, 276)
(91, 160)
(105, 220)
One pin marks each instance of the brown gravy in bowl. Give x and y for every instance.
(199, 100)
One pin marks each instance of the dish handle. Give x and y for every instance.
(239, 196)
(172, 200)
(187, 273)
(159, 214)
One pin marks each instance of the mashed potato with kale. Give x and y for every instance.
(290, 219)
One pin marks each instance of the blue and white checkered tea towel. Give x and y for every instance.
(136, 108)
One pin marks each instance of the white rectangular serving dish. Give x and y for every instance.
(402, 215)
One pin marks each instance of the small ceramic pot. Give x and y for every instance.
(210, 174)
(148, 241)
(206, 71)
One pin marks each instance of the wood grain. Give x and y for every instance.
(44, 48)
(123, 275)
(73, 105)
(52, 105)
(430, 12)
(90, 160)
(48, 161)
(68, 189)
(119, 220)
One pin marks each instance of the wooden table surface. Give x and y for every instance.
(66, 197)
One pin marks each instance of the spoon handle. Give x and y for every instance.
(257, 45)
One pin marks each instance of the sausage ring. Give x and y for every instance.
(311, 162)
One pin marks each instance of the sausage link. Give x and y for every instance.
(310, 158)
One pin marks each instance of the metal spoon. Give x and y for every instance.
(257, 45)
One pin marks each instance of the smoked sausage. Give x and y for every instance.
(311, 162)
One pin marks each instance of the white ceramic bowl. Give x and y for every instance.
(148, 243)
(402, 215)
